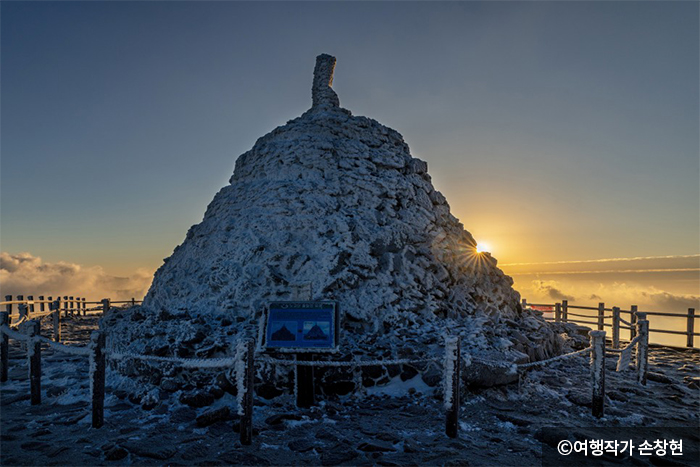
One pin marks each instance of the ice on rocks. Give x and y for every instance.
(337, 201)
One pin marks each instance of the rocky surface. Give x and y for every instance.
(499, 426)
(338, 202)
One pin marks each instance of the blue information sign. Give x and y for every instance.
(302, 325)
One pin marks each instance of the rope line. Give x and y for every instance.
(355, 363)
(184, 362)
(625, 322)
(626, 354)
(496, 363)
(39, 314)
(9, 332)
(22, 320)
(69, 349)
(553, 359)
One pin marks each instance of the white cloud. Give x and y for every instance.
(27, 274)
(606, 260)
(620, 294)
(550, 289)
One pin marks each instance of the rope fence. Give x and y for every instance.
(350, 364)
(244, 361)
(183, 362)
(554, 359)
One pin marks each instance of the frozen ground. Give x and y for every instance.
(498, 426)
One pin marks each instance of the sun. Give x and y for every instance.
(482, 247)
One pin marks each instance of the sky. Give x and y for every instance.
(558, 131)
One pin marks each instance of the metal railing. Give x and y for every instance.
(21, 308)
(601, 319)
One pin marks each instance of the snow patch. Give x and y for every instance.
(397, 388)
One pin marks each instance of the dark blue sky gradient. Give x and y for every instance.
(555, 130)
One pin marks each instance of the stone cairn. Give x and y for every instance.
(337, 203)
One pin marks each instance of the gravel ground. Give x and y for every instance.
(499, 426)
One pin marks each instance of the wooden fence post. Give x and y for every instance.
(633, 322)
(30, 306)
(4, 346)
(22, 310)
(8, 308)
(524, 303)
(616, 327)
(642, 348)
(601, 316)
(598, 372)
(565, 310)
(133, 301)
(65, 306)
(97, 384)
(305, 386)
(246, 423)
(71, 306)
(57, 319)
(557, 312)
(23, 315)
(105, 305)
(453, 351)
(691, 326)
(41, 305)
(34, 357)
(19, 309)
(83, 307)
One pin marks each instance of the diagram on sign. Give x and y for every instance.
(284, 331)
(316, 330)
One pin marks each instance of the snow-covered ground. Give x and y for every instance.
(401, 424)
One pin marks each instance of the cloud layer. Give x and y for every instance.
(622, 294)
(642, 264)
(27, 274)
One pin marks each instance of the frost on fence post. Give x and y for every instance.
(451, 385)
(23, 310)
(4, 346)
(97, 377)
(598, 372)
(8, 307)
(245, 378)
(565, 310)
(34, 358)
(56, 306)
(616, 327)
(642, 348)
(691, 327)
(601, 316)
(105, 305)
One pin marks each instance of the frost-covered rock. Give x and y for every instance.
(338, 202)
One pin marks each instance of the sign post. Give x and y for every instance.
(302, 328)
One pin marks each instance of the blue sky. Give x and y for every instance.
(556, 130)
